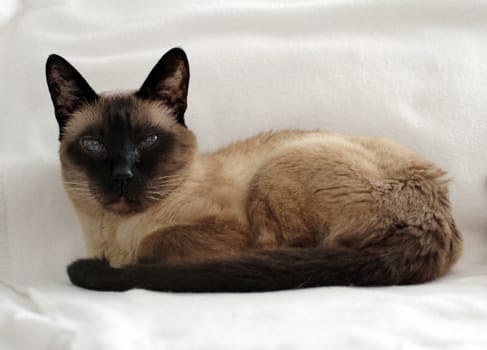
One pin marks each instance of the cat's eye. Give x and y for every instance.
(92, 146)
(148, 142)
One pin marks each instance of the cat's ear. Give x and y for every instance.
(168, 83)
(69, 90)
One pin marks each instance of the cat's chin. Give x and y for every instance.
(124, 206)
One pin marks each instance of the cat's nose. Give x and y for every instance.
(122, 174)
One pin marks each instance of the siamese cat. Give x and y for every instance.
(281, 210)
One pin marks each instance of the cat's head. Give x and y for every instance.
(122, 152)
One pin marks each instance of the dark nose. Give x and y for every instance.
(122, 174)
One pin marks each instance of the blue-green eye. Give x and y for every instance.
(92, 146)
(147, 142)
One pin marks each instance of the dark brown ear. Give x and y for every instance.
(69, 90)
(168, 82)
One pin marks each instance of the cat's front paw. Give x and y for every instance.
(86, 273)
(97, 274)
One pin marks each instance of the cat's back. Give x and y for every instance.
(384, 154)
(331, 157)
(263, 142)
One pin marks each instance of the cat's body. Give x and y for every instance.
(278, 210)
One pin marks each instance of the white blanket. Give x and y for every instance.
(415, 71)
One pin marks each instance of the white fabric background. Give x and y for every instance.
(415, 71)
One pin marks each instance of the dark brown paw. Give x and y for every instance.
(93, 274)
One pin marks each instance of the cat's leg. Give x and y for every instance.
(280, 209)
(203, 240)
(313, 197)
(310, 196)
(278, 214)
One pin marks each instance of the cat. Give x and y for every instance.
(281, 210)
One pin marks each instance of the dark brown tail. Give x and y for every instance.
(264, 271)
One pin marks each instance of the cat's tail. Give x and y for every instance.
(264, 271)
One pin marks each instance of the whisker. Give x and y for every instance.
(76, 183)
(169, 176)
(84, 190)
